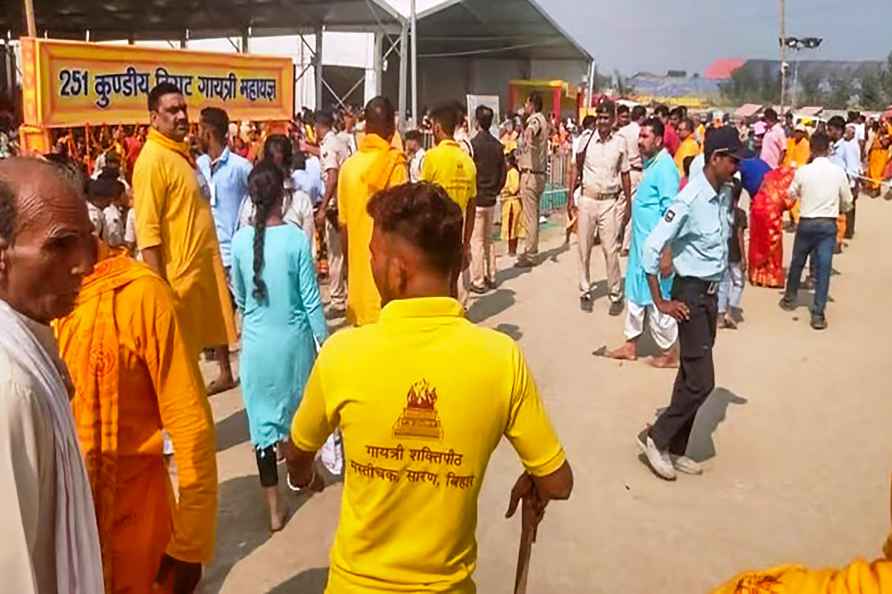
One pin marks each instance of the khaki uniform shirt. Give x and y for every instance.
(605, 160)
(533, 152)
(333, 152)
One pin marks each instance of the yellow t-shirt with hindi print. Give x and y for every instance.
(422, 399)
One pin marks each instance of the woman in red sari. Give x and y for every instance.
(766, 252)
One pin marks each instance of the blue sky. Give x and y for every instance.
(656, 35)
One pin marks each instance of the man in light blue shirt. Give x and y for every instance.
(657, 189)
(846, 153)
(696, 228)
(227, 177)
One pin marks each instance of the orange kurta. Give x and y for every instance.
(377, 165)
(173, 212)
(859, 577)
(133, 375)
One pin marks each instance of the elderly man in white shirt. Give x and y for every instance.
(823, 191)
(50, 539)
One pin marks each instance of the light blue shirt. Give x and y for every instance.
(228, 183)
(848, 156)
(309, 179)
(697, 166)
(655, 193)
(697, 226)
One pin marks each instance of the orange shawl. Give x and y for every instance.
(97, 384)
(377, 177)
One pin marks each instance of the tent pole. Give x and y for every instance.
(246, 34)
(317, 56)
(414, 24)
(29, 17)
(404, 59)
(379, 61)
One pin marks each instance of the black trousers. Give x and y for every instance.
(696, 373)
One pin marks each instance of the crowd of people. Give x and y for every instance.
(120, 265)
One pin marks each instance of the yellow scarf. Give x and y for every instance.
(377, 177)
(181, 148)
(89, 339)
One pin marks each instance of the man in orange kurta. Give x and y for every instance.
(858, 577)
(133, 375)
(174, 226)
(798, 155)
(376, 166)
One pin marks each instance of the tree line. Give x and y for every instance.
(868, 87)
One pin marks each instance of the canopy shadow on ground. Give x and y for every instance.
(490, 304)
(243, 525)
(232, 431)
(311, 581)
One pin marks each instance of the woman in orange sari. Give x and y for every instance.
(878, 144)
(766, 251)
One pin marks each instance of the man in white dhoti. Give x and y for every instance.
(50, 542)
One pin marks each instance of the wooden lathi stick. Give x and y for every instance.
(527, 538)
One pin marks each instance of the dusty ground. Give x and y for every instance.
(796, 442)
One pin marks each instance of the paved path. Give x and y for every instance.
(796, 441)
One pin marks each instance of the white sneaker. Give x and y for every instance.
(687, 465)
(658, 461)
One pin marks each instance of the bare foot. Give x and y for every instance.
(728, 322)
(277, 520)
(221, 384)
(627, 352)
(667, 361)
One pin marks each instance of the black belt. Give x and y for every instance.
(533, 172)
(709, 287)
(819, 219)
(637, 169)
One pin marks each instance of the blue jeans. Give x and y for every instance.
(815, 238)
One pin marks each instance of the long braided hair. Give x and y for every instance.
(266, 187)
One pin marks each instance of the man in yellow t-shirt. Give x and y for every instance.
(174, 226)
(448, 165)
(428, 399)
(689, 146)
(376, 166)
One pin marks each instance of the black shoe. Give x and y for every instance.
(787, 304)
(616, 308)
(477, 290)
(524, 262)
(818, 322)
(585, 302)
(491, 284)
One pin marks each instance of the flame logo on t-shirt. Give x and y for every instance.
(419, 418)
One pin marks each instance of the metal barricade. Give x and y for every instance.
(556, 183)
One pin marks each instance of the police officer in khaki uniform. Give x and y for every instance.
(532, 159)
(332, 153)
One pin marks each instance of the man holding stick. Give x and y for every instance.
(417, 435)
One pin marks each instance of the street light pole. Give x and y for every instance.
(29, 18)
(783, 48)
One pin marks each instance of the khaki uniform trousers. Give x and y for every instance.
(531, 188)
(597, 218)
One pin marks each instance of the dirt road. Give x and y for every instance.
(796, 441)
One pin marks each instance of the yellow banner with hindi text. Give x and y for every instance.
(70, 83)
